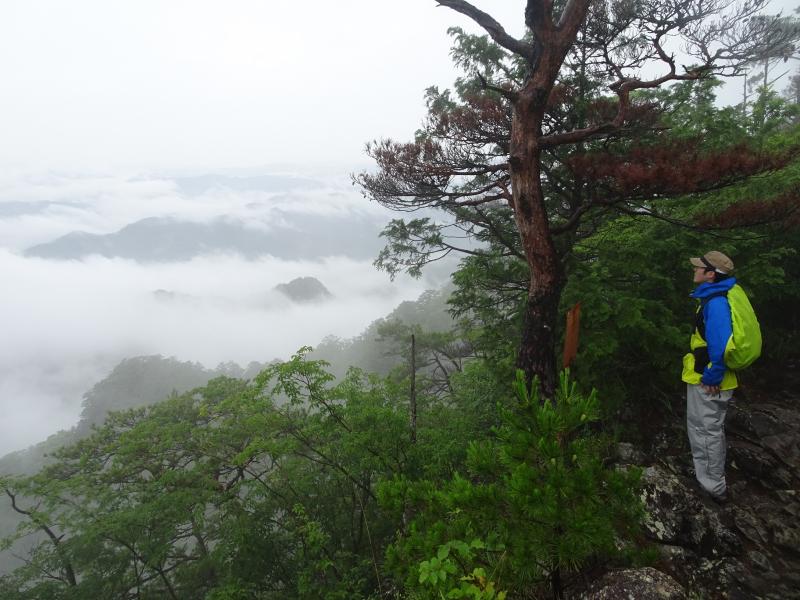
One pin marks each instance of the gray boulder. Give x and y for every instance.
(639, 584)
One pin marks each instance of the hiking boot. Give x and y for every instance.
(721, 499)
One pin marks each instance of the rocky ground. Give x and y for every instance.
(748, 548)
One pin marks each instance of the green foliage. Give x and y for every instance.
(133, 383)
(231, 490)
(539, 494)
(234, 490)
(411, 245)
(691, 113)
(633, 283)
(488, 300)
(381, 347)
(139, 381)
(633, 279)
(441, 572)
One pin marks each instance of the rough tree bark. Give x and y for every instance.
(537, 356)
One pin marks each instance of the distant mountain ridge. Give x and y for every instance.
(134, 382)
(164, 239)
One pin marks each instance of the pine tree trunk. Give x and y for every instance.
(536, 356)
(555, 580)
(537, 349)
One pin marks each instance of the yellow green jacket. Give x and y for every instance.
(717, 339)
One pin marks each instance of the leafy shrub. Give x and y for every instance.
(540, 498)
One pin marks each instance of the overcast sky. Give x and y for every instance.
(144, 84)
(96, 84)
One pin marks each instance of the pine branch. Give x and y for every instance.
(491, 26)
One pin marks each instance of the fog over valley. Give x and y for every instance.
(97, 269)
(136, 214)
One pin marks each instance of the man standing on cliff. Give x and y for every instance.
(710, 383)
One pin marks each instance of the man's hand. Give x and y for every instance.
(713, 390)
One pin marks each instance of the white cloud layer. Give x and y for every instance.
(65, 324)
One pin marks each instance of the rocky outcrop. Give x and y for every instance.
(642, 584)
(750, 547)
(304, 289)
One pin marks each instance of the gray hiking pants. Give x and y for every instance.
(705, 422)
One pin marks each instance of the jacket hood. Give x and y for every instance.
(704, 290)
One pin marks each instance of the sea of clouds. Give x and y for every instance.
(66, 324)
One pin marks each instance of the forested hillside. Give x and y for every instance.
(446, 453)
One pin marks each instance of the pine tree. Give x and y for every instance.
(537, 504)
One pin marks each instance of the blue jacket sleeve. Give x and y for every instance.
(717, 316)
